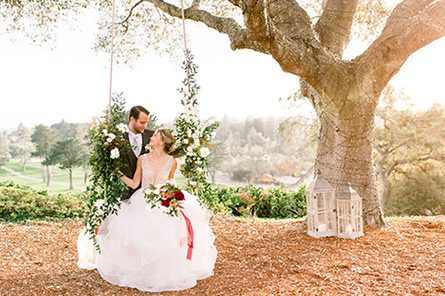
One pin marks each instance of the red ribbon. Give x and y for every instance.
(190, 236)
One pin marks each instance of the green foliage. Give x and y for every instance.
(43, 138)
(418, 193)
(242, 175)
(107, 142)
(67, 153)
(193, 137)
(21, 203)
(4, 149)
(20, 145)
(254, 201)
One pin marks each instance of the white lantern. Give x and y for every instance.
(320, 200)
(349, 214)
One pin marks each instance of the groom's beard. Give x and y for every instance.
(135, 130)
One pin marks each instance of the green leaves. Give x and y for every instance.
(193, 136)
(105, 188)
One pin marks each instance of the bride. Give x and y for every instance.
(145, 248)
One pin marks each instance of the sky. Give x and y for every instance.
(70, 82)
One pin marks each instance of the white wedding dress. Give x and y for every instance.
(146, 248)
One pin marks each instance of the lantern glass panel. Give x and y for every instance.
(320, 202)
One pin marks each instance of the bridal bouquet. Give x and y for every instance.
(167, 195)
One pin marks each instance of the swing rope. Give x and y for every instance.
(184, 36)
(113, 35)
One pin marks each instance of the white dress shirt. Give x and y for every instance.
(135, 142)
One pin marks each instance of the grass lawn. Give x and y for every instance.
(60, 179)
(32, 176)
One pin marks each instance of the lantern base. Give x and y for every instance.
(350, 235)
(318, 234)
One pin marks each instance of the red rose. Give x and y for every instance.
(179, 195)
(166, 202)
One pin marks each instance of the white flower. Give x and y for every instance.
(189, 133)
(148, 191)
(204, 151)
(111, 137)
(171, 182)
(121, 127)
(157, 191)
(98, 204)
(105, 131)
(114, 153)
(199, 170)
(192, 183)
(196, 144)
(185, 141)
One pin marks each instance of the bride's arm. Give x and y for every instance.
(171, 175)
(134, 183)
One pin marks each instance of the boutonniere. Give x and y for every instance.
(147, 147)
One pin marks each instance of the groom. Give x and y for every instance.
(138, 137)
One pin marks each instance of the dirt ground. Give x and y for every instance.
(254, 258)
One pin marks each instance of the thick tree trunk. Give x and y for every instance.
(345, 154)
(71, 178)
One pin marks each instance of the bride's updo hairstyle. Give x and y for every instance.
(169, 140)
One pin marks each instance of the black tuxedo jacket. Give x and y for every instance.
(130, 160)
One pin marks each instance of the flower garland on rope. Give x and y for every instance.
(193, 137)
(105, 189)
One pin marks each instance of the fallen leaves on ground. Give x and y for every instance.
(255, 257)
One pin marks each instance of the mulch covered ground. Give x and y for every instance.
(255, 258)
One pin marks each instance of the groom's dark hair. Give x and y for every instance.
(136, 110)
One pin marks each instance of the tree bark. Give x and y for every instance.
(48, 175)
(70, 171)
(43, 173)
(344, 154)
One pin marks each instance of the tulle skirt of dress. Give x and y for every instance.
(146, 249)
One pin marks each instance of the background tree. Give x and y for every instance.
(217, 157)
(4, 149)
(418, 190)
(43, 138)
(68, 130)
(67, 154)
(20, 144)
(407, 139)
(37, 20)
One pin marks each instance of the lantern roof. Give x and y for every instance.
(319, 184)
(349, 193)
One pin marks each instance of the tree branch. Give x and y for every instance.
(124, 23)
(239, 37)
(334, 25)
(412, 25)
(285, 30)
